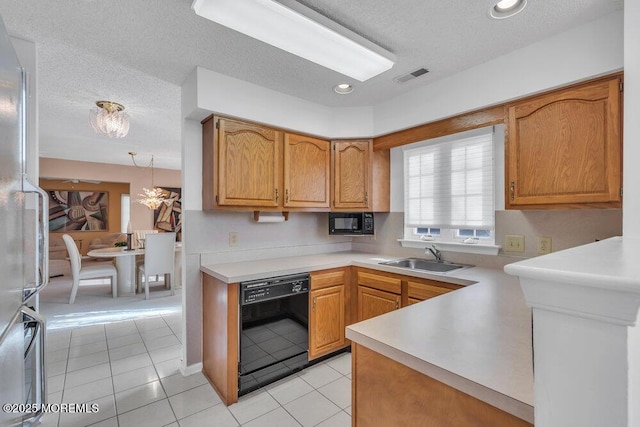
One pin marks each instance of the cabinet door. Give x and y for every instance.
(565, 148)
(306, 171)
(372, 302)
(248, 164)
(352, 174)
(422, 291)
(326, 321)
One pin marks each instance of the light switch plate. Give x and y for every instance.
(513, 243)
(544, 245)
(233, 238)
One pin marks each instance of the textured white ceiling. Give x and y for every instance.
(139, 52)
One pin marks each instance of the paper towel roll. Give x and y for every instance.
(278, 218)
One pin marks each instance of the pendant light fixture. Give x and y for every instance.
(153, 197)
(109, 119)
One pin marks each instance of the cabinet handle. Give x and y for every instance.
(276, 195)
(512, 190)
(314, 303)
(286, 195)
(397, 304)
(366, 197)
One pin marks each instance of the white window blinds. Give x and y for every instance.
(450, 184)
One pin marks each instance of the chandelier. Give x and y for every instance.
(153, 197)
(109, 119)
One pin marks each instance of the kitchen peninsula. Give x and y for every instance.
(473, 344)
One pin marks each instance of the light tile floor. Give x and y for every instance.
(131, 370)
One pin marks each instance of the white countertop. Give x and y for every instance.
(476, 339)
(612, 263)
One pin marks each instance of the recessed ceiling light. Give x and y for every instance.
(343, 88)
(506, 8)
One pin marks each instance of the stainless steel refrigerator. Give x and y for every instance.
(23, 254)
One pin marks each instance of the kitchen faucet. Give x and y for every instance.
(436, 253)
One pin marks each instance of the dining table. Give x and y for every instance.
(126, 265)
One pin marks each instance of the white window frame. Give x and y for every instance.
(449, 238)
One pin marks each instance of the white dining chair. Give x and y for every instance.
(159, 257)
(138, 243)
(78, 272)
(139, 235)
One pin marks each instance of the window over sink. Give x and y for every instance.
(449, 186)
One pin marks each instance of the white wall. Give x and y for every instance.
(233, 97)
(631, 181)
(631, 205)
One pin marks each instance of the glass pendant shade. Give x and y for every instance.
(154, 197)
(109, 119)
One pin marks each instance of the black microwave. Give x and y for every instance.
(351, 223)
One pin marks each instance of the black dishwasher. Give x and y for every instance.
(274, 332)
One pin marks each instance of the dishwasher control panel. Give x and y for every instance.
(276, 287)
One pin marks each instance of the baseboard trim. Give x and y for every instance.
(191, 369)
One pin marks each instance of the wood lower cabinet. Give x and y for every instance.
(220, 340)
(420, 291)
(381, 292)
(327, 309)
(563, 149)
(306, 171)
(378, 293)
(387, 393)
(372, 302)
(332, 306)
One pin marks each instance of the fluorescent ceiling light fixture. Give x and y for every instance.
(301, 31)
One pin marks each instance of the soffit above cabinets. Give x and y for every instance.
(140, 56)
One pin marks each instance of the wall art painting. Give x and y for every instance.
(168, 216)
(78, 210)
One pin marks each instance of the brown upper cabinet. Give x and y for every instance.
(563, 149)
(352, 174)
(252, 167)
(247, 166)
(306, 171)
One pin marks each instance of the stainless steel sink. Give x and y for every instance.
(426, 265)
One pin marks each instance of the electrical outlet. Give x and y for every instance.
(514, 243)
(233, 238)
(544, 245)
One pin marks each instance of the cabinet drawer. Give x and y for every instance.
(372, 302)
(383, 283)
(327, 278)
(422, 291)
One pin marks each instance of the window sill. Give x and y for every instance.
(476, 248)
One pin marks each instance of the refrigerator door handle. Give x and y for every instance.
(35, 326)
(38, 324)
(42, 207)
(42, 239)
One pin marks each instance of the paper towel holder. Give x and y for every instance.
(270, 218)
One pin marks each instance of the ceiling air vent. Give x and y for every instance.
(410, 76)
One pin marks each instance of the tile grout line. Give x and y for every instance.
(113, 385)
(157, 373)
